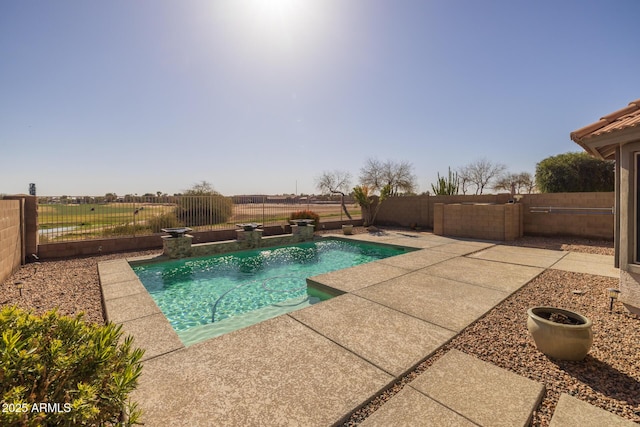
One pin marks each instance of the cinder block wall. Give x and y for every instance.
(11, 243)
(591, 225)
(479, 221)
(30, 224)
(419, 211)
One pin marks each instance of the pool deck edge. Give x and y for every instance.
(126, 302)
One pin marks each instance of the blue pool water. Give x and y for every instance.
(209, 296)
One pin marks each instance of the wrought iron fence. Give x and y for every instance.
(80, 218)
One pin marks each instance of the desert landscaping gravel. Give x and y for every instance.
(70, 285)
(608, 378)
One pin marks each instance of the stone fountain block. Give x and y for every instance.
(251, 238)
(302, 233)
(177, 247)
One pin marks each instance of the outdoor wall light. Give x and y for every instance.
(613, 295)
(19, 284)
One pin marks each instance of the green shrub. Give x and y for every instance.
(306, 214)
(195, 210)
(574, 172)
(166, 220)
(62, 371)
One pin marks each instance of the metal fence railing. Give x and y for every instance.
(80, 218)
(572, 210)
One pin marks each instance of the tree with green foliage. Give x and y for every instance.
(446, 186)
(202, 205)
(85, 371)
(370, 206)
(574, 172)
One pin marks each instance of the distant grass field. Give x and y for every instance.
(60, 222)
(50, 216)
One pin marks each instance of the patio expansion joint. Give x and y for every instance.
(435, 248)
(410, 315)
(515, 263)
(412, 270)
(477, 285)
(507, 293)
(137, 318)
(163, 354)
(352, 352)
(564, 255)
(441, 403)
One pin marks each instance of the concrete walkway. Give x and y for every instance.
(314, 366)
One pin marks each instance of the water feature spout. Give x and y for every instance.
(177, 231)
(178, 243)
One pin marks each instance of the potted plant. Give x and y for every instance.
(559, 333)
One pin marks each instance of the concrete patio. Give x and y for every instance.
(315, 366)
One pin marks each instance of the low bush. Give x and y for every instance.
(210, 209)
(62, 371)
(166, 220)
(126, 230)
(306, 214)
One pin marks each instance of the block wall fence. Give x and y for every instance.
(418, 211)
(11, 237)
(486, 221)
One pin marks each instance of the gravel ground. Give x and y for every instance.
(71, 285)
(608, 378)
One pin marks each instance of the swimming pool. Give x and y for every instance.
(209, 296)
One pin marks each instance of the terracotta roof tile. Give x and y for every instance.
(594, 138)
(624, 118)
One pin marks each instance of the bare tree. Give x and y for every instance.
(464, 179)
(335, 182)
(398, 176)
(527, 182)
(515, 182)
(371, 174)
(481, 173)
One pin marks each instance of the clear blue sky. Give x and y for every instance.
(255, 95)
